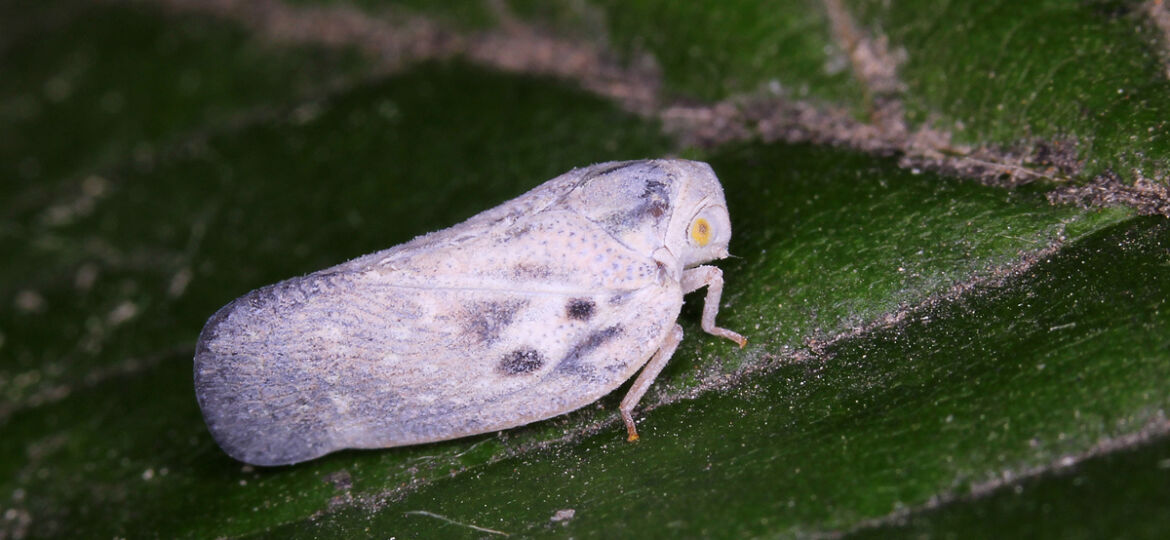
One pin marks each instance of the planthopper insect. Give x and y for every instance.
(526, 311)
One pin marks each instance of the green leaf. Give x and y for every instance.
(927, 354)
(115, 81)
(1066, 503)
(1006, 72)
(715, 49)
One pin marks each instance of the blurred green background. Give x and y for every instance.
(937, 348)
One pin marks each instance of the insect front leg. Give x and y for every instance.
(712, 278)
(649, 373)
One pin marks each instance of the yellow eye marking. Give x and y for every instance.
(701, 232)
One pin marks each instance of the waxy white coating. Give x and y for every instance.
(526, 311)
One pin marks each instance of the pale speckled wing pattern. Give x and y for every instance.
(523, 312)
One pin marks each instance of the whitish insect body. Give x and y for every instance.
(526, 311)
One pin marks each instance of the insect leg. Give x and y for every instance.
(711, 277)
(649, 373)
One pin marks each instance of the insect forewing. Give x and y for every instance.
(520, 319)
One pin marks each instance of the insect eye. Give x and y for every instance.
(701, 232)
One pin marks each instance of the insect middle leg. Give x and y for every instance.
(712, 278)
(647, 376)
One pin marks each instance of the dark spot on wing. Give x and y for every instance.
(663, 274)
(485, 321)
(654, 203)
(572, 362)
(656, 199)
(580, 309)
(520, 361)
